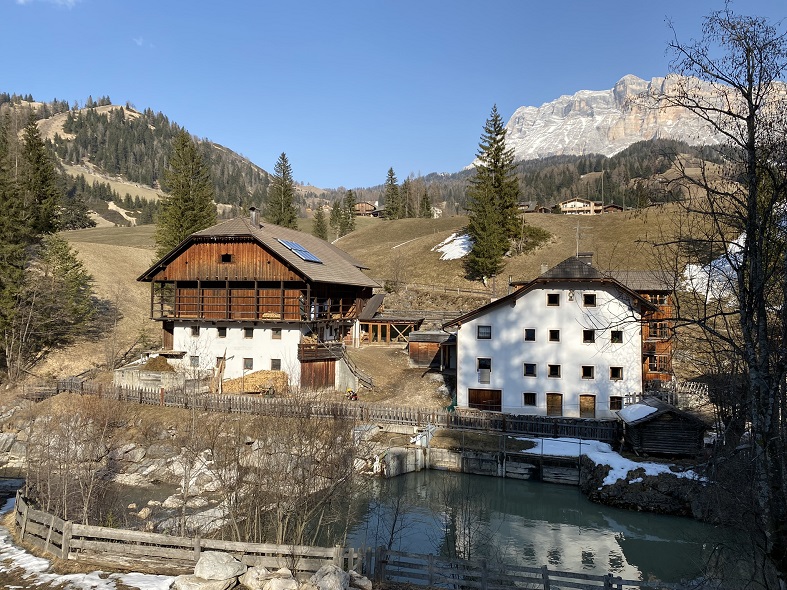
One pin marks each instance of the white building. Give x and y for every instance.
(567, 343)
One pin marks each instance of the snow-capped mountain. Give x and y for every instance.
(603, 122)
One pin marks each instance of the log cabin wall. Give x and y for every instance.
(240, 260)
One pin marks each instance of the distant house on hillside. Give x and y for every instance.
(612, 208)
(364, 208)
(259, 297)
(532, 207)
(579, 206)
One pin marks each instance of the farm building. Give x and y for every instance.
(247, 296)
(425, 349)
(654, 427)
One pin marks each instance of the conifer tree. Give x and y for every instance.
(37, 180)
(280, 206)
(349, 212)
(336, 218)
(425, 204)
(392, 197)
(320, 226)
(189, 206)
(492, 200)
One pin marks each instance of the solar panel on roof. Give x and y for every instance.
(299, 250)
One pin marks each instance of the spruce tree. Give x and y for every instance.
(349, 212)
(425, 204)
(189, 205)
(280, 206)
(392, 197)
(320, 226)
(38, 188)
(336, 218)
(492, 200)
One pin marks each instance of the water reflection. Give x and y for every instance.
(526, 523)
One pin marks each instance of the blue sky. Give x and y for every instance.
(347, 89)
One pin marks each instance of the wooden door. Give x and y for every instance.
(485, 399)
(587, 406)
(554, 404)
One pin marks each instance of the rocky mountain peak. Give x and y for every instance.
(602, 122)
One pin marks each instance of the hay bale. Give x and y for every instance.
(157, 363)
(257, 382)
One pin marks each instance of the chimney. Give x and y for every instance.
(586, 257)
(254, 217)
(544, 267)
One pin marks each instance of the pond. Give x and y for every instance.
(528, 523)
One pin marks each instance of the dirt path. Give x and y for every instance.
(395, 383)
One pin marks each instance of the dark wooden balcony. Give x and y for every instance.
(313, 351)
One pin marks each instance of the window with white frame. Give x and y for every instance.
(616, 373)
(616, 337)
(530, 334)
(589, 299)
(248, 364)
(588, 372)
(484, 332)
(530, 369)
(553, 299)
(588, 336)
(554, 335)
(553, 371)
(529, 398)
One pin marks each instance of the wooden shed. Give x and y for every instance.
(424, 348)
(655, 427)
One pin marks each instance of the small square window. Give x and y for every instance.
(615, 402)
(195, 330)
(553, 299)
(589, 299)
(529, 398)
(588, 336)
(276, 333)
(225, 258)
(484, 364)
(616, 373)
(222, 331)
(248, 364)
(530, 369)
(194, 361)
(553, 370)
(484, 332)
(248, 332)
(554, 335)
(275, 364)
(588, 372)
(616, 337)
(530, 334)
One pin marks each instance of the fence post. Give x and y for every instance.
(545, 577)
(367, 562)
(66, 545)
(24, 521)
(161, 396)
(49, 533)
(338, 550)
(379, 564)
(197, 549)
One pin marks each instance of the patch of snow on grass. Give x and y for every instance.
(454, 247)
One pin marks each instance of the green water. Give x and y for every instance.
(530, 523)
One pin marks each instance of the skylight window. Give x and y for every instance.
(299, 251)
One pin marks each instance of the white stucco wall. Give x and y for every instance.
(261, 348)
(509, 351)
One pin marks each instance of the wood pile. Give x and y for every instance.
(270, 382)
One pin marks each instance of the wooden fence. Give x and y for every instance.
(174, 555)
(68, 540)
(494, 422)
(431, 571)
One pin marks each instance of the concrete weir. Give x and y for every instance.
(398, 460)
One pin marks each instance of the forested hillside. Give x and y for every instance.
(633, 178)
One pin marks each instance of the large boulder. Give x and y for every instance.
(359, 581)
(215, 565)
(259, 578)
(331, 577)
(197, 583)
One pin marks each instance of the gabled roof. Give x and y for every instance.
(574, 270)
(645, 280)
(335, 266)
(650, 408)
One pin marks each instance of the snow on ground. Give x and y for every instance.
(35, 572)
(454, 247)
(601, 454)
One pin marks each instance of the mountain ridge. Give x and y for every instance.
(605, 122)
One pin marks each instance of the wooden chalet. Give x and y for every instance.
(654, 427)
(425, 348)
(260, 297)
